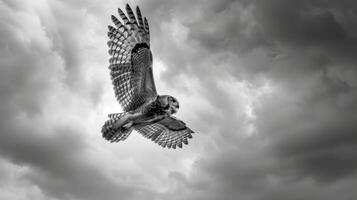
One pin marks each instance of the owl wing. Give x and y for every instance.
(131, 60)
(169, 132)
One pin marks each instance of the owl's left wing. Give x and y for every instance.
(131, 59)
(169, 132)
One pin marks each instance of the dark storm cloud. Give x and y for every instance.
(299, 22)
(317, 140)
(237, 27)
(314, 128)
(306, 128)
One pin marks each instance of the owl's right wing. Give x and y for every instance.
(169, 132)
(131, 60)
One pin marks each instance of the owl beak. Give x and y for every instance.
(173, 110)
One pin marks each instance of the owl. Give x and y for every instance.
(131, 71)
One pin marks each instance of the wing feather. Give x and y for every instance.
(169, 132)
(123, 16)
(131, 14)
(147, 29)
(140, 18)
(131, 59)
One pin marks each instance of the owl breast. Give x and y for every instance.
(153, 108)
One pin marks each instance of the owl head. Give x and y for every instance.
(169, 104)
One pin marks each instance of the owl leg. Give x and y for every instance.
(125, 121)
(157, 118)
(128, 125)
(120, 122)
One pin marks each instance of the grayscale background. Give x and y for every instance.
(269, 87)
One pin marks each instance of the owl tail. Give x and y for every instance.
(113, 134)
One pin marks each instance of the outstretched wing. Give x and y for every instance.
(131, 59)
(169, 132)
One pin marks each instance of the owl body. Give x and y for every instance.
(151, 112)
(131, 70)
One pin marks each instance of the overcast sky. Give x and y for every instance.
(268, 86)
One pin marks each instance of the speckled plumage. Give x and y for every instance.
(132, 77)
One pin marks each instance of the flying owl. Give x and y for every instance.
(131, 72)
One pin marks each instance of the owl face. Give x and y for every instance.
(169, 104)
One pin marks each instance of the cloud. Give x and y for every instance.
(37, 64)
(305, 122)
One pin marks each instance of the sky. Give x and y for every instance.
(269, 87)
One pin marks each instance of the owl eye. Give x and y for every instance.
(167, 106)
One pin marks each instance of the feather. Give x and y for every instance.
(123, 16)
(163, 134)
(131, 14)
(140, 18)
(112, 134)
(118, 24)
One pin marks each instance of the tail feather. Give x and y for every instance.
(113, 134)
